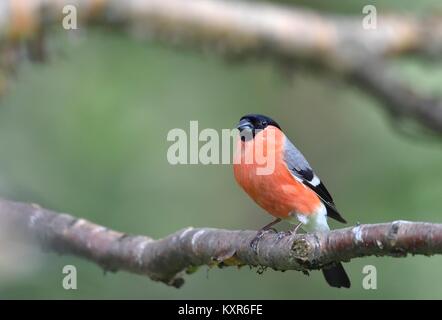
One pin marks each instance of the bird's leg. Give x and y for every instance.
(260, 233)
(295, 229)
(270, 225)
(291, 232)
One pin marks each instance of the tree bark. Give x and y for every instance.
(169, 258)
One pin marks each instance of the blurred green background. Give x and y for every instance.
(86, 133)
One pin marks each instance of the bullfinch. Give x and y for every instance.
(289, 189)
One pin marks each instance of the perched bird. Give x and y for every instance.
(291, 190)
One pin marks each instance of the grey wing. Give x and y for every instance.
(303, 172)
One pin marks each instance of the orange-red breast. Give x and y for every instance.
(275, 174)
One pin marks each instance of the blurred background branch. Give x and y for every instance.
(238, 30)
(166, 259)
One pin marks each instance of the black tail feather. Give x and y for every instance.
(336, 276)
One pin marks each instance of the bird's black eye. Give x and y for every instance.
(264, 123)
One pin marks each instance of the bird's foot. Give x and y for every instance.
(254, 243)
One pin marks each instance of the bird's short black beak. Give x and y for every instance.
(244, 124)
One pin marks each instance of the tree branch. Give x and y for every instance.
(239, 24)
(166, 259)
(334, 43)
(399, 99)
(288, 30)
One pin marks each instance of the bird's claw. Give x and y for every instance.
(254, 243)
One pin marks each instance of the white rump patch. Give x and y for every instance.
(316, 221)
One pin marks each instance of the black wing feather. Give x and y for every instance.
(326, 198)
(301, 169)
